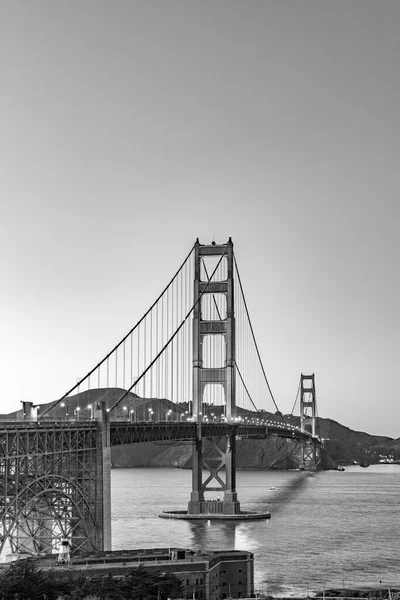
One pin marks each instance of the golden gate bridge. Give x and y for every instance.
(189, 369)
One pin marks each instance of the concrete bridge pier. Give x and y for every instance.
(103, 478)
(310, 456)
(218, 457)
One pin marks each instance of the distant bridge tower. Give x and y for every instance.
(310, 449)
(218, 456)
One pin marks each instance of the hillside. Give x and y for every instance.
(341, 444)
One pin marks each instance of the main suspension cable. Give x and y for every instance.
(255, 342)
(297, 397)
(53, 405)
(172, 337)
(245, 386)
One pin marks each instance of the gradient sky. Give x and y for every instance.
(128, 129)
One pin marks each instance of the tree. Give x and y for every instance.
(170, 586)
(23, 580)
(140, 584)
(102, 587)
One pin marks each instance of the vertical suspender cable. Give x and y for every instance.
(158, 362)
(151, 352)
(166, 356)
(138, 361)
(119, 343)
(171, 362)
(177, 344)
(169, 341)
(123, 370)
(144, 356)
(163, 354)
(131, 377)
(255, 344)
(116, 368)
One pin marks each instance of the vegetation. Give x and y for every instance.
(23, 580)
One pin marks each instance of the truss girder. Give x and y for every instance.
(134, 433)
(48, 486)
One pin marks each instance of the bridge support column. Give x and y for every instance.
(197, 494)
(103, 483)
(309, 460)
(29, 411)
(218, 457)
(310, 451)
(231, 504)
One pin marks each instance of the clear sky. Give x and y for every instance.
(128, 129)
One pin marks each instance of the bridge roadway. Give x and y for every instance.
(131, 433)
(63, 467)
(124, 432)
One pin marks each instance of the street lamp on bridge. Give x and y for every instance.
(63, 405)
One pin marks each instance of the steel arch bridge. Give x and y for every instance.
(197, 349)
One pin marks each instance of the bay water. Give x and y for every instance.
(327, 529)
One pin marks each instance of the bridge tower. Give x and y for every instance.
(215, 455)
(310, 450)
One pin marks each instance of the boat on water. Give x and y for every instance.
(341, 468)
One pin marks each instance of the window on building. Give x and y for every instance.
(240, 582)
(240, 570)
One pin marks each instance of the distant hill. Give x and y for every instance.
(341, 444)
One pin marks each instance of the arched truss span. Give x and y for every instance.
(44, 511)
(49, 486)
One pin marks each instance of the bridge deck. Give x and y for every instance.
(126, 432)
